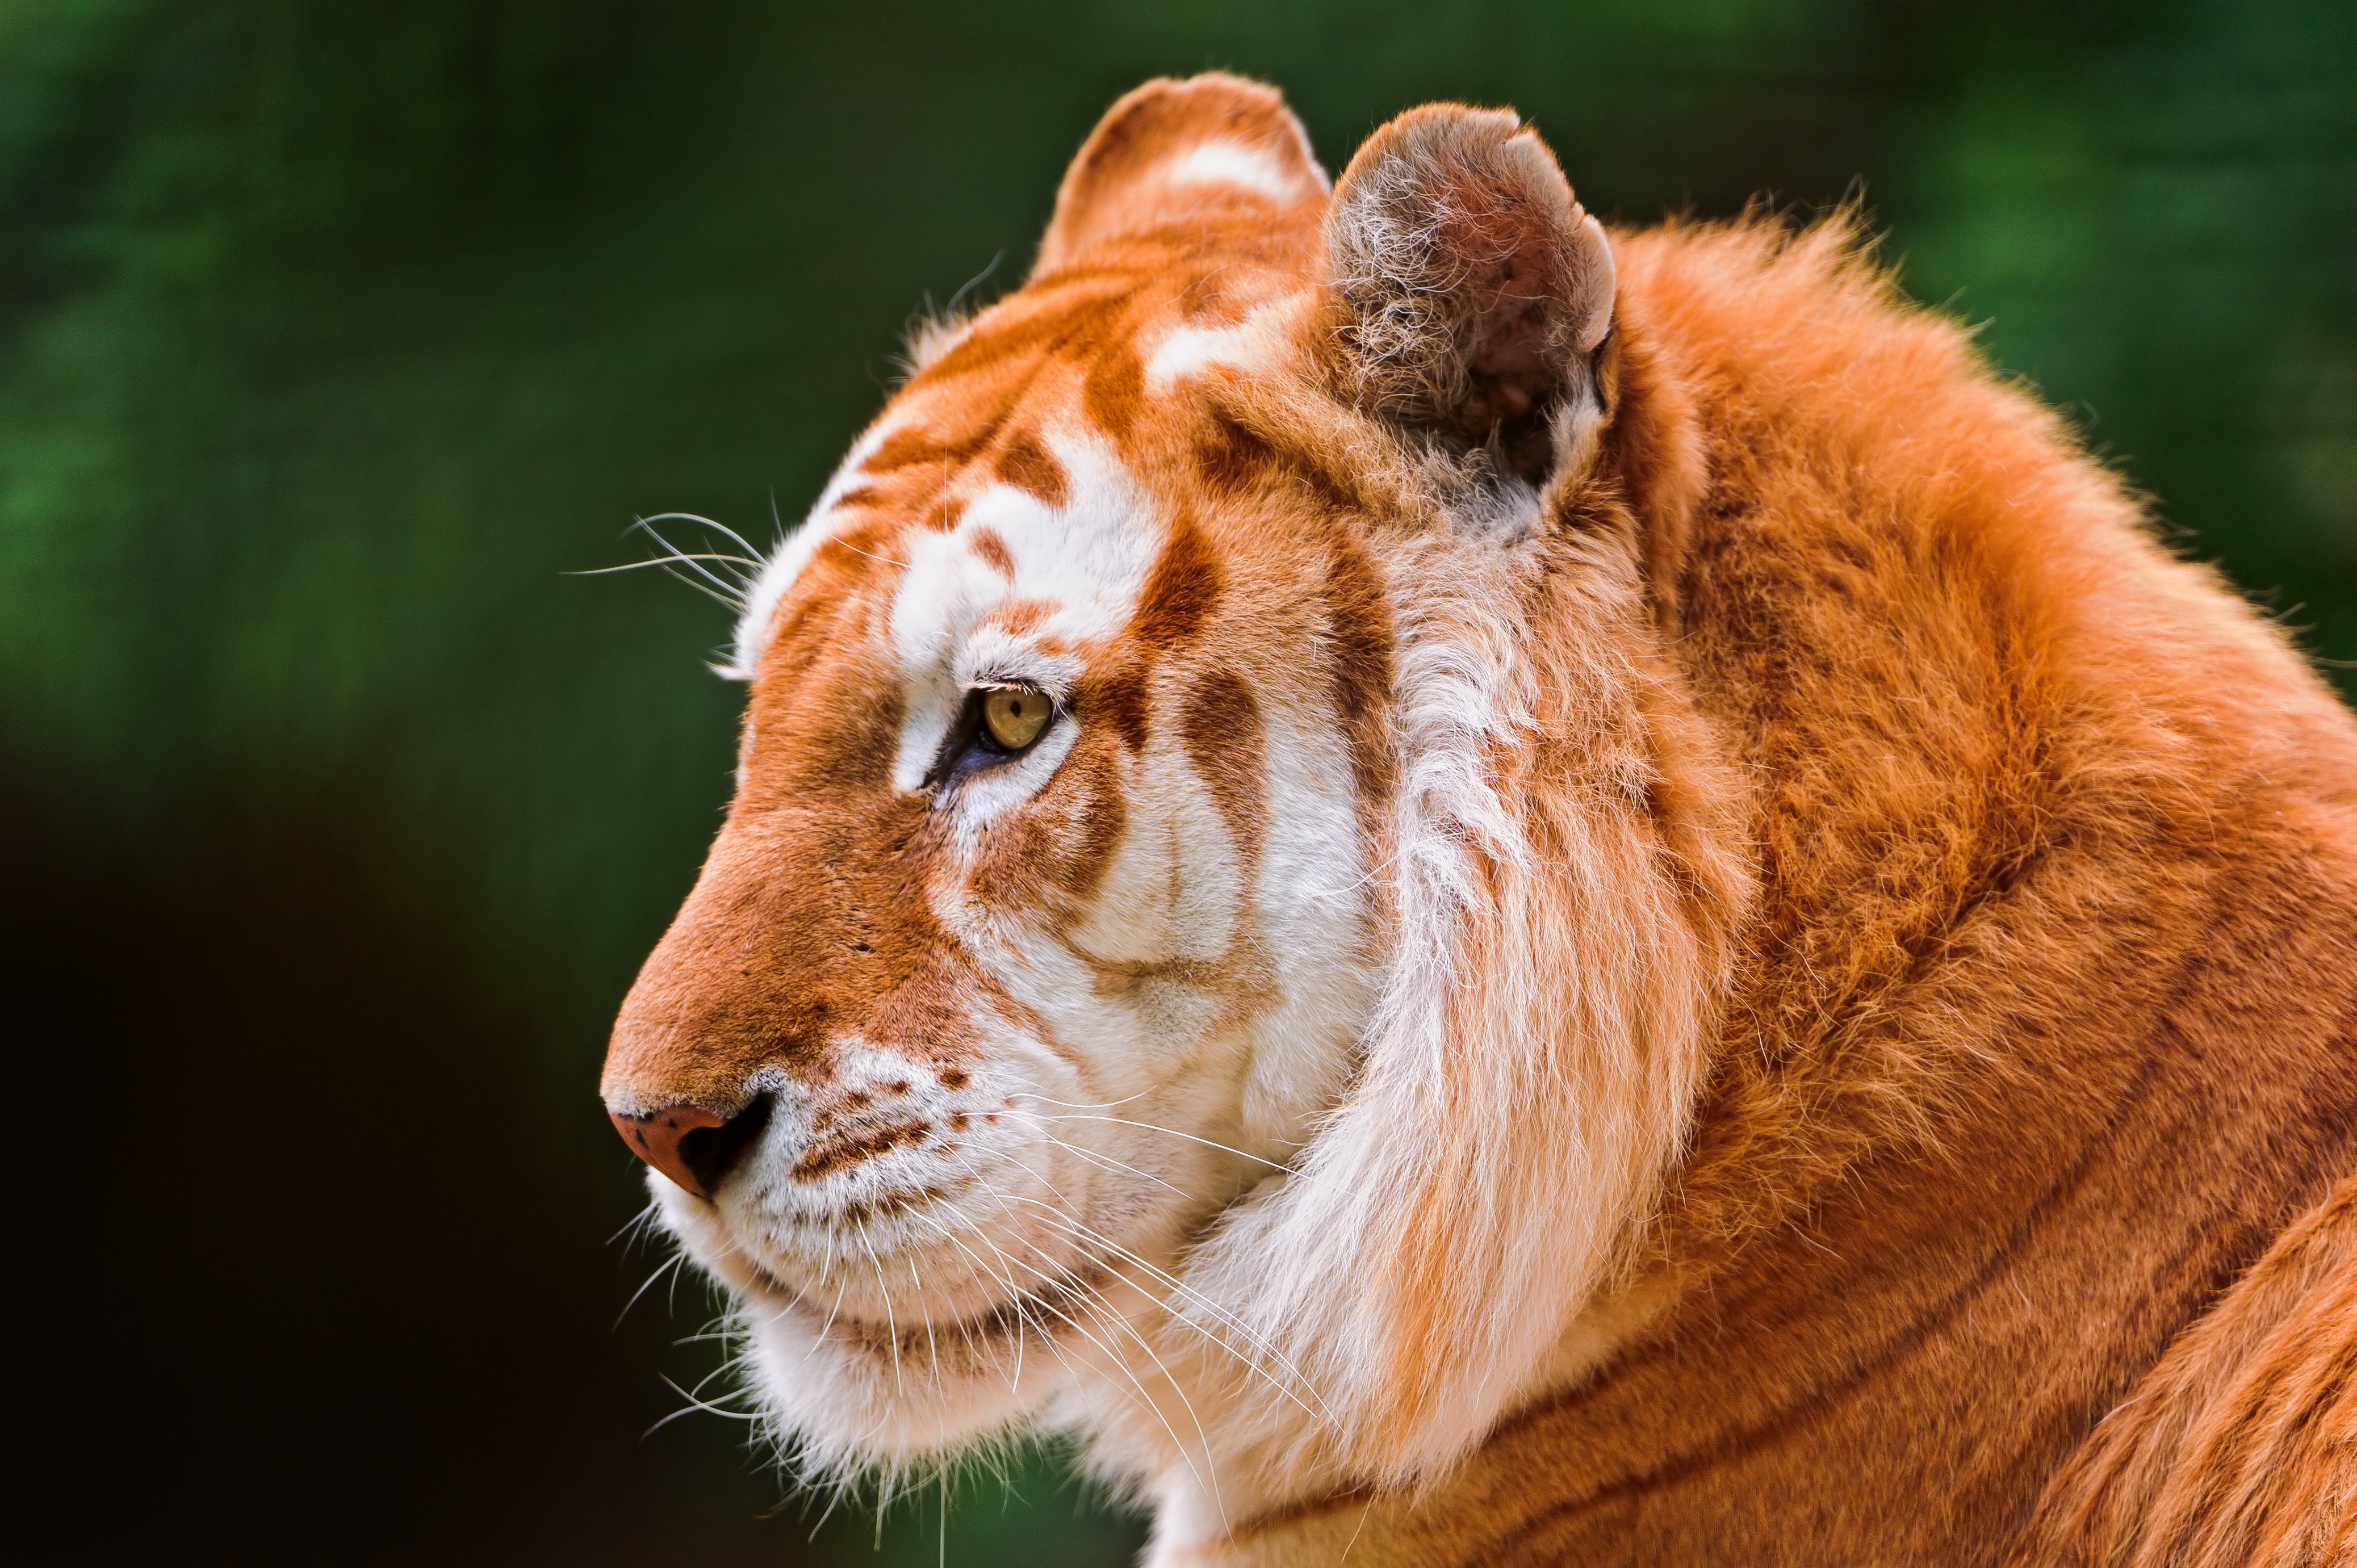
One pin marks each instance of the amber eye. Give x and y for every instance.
(1014, 717)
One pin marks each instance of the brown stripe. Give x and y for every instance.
(1115, 390)
(1044, 330)
(1359, 644)
(1029, 466)
(1016, 616)
(1118, 700)
(1182, 591)
(1234, 460)
(836, 1154)
(1228, 744)
(992, 551)
(908, 448)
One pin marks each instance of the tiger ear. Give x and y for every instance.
(1173, 150)
(1465, 293)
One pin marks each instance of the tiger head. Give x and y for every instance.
(1216, 932)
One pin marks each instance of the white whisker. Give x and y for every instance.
(1174, 1133)
(669, 1265)
(696, 1404)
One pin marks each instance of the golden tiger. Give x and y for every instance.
(1472, 891)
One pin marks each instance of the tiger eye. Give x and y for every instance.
(1014, 717)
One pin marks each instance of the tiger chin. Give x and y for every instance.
(1473, 889)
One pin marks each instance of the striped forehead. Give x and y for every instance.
(1054, 571)
(1039, 574)
(1073, 552)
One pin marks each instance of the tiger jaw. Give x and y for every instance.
(917, 1264)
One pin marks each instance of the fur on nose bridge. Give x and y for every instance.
(774, 978)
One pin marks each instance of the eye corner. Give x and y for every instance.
(997, 720)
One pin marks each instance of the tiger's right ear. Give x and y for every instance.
(1172, 150)
(1465, 293)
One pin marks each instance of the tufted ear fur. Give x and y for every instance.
(1173, 150)
(1466, 292)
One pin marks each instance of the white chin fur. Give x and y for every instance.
(840, 1394)
(908, 1355)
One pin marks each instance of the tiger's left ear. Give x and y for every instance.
(1171, 151)
(1465, 293)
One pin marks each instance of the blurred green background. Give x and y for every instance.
(333, 333)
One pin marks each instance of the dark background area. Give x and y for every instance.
(334, 332)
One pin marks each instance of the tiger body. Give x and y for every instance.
(1648, 925)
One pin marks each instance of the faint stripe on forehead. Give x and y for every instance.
(793, 553)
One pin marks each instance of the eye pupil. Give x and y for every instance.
(1014, 717)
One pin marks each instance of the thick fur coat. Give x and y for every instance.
(1649, 926)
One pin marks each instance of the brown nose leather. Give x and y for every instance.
(655, 1138)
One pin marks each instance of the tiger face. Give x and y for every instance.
(1175, 905)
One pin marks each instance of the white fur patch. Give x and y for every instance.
(1232, 163)
(1190, 350)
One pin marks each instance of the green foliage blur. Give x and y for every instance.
(333, 334)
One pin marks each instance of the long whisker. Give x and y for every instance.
(659, 561)
(695, 1404)
(1091, 1236)
(1118, 1362)
(669, 1264)
(1016, 1297)
(634, 1223)
(735, 591)
(1013, 1293)
(726, 597)
(1177, 1388)
(869, 554)
(735, 538)
(884, 1290)
(828, 1327)
(1070, 1105)
(1173, 1132)
(1061, 1215)
(1103, 1162)
(1121, 1364)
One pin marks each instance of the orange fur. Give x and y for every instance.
(1892, 1096)
(2047, 1025)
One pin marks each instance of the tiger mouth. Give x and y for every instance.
(1048, 1311)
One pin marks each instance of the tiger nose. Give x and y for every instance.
(695, 1147)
